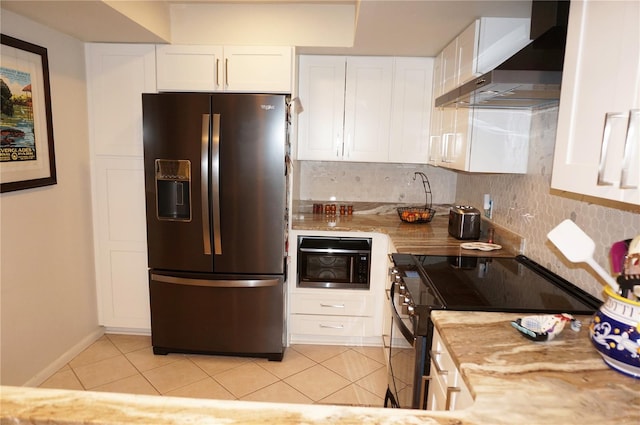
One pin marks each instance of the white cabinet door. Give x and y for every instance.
(321, 92)
(121, 248)
(467, 49)
(347, 103)
(266, 69)
(117, 75)
(367, 107)
(411, 110)
(449, 65)
(258, 69)
(598, 137)
(189, 68)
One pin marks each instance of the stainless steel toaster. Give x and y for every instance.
(464, 222)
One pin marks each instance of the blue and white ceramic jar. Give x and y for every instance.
(615, 332)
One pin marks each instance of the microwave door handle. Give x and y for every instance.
(215, 186)
(351, 268)
(204, 184)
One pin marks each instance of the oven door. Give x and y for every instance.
(407, 358)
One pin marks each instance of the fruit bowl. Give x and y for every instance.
(416, 214)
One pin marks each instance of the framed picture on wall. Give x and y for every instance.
(27, 158)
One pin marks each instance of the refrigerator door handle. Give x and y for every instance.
(215, 189)
(246, 283)
(204, 186)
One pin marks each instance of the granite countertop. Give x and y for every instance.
(513, 381)
(413, 238)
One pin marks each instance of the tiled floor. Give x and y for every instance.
(317, 374)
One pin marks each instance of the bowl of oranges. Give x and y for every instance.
(416, 214)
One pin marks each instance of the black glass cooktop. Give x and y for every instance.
(492, 284)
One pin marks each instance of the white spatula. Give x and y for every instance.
(578, 247)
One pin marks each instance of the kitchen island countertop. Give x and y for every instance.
(513, 381)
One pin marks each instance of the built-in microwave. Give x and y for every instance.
(333, 262)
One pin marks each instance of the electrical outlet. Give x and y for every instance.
(488, 206)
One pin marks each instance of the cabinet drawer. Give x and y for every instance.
(339, 304)
(331, 325)
(443, 369)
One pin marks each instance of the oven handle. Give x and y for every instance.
(334, 251)
(408, 335)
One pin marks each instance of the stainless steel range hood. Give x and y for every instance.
(530, 78)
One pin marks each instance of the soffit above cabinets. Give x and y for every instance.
(355, 27)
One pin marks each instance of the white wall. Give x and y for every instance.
(47, 285)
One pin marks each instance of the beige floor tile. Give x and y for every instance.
(144, 359)
(374, 353)
(319, 353)
(292, 363)
(375, 382)
(174, 375)
(245, 379)
(128, 343)
(102, 349)
(205, 388)
(214, 365)
(317, 382)
(135, 384)
(352, 365)
(353, 395)
(278, 393)
(104, 371)
(64, 379)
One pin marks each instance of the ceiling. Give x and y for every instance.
(381, 27)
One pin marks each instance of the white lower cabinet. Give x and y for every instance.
(447, 389)
(338, 316)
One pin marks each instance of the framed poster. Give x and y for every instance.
(27, 156)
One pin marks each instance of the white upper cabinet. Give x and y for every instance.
(228, 68)
(117, 75)
(373, 109)
(479, 140)
(367, 106)
(411, 110)
(321, 123)
(598, 137)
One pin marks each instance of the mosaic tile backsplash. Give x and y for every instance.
(522, 203)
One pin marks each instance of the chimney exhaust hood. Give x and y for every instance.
(531, 78)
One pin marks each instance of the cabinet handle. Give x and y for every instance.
(332, 305)
(436, 363)
(217, 72)
(423, 391)
(332, 326)
(631, 148)
(445, 147)
(450, 403)
(604, 146)
(431, 143)
(226, 72)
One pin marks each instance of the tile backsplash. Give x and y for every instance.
(523, 204)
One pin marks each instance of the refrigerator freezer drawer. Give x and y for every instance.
(217, 316)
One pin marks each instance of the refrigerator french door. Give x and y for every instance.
(215, 181)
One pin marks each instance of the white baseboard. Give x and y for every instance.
(65, 358)
(127, 331)
(335, 340)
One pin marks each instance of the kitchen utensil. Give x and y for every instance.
(419, 214)
(617, 254)
(578, 247)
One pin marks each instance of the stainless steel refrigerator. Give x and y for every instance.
(215, 181)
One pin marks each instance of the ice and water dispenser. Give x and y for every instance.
(173, 186)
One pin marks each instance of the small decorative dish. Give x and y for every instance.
(544, 327)
(482, 246)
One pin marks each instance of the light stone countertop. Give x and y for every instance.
(513, 380)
